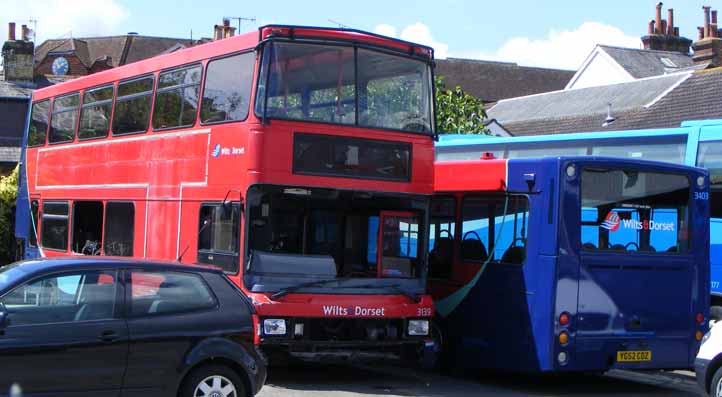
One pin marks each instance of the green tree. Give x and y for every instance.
(458, 112)
(8, 193)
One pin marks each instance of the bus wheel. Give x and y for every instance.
(715, 313)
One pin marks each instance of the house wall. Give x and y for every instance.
(75, 67)
(600, 70)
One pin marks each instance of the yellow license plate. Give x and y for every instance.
(634, 356)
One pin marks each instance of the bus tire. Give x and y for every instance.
(715, 313)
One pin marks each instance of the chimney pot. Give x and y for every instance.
(226, 22)
(676, 31)
(700, 29)
(706, 10)
(714, 16)
(658, 19)
(664, 27)
(25, 33)
(650, 28)
(670, 22)
(11, 31)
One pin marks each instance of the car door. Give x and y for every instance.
(64, 335)
(168, 312)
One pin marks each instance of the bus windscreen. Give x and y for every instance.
(345, 85)
(634, 211)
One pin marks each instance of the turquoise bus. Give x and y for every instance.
(695, 143)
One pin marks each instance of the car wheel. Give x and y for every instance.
(715, 388)
(213, 381)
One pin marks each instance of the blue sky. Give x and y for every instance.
(552, 33)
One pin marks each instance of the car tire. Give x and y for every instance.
(715, 387)
(209, 379)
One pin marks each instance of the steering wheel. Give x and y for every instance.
(447, 232)
(473, 233)
(626, 247)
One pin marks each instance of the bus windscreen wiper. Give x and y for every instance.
(317, 283)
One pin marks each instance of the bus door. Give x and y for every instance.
(636, 278)
(397, 244)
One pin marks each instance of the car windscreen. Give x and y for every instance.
(627, 210)
(345, 85)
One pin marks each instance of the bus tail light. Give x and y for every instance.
(700, 318)
(564, 319)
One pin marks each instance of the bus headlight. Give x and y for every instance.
(418, 327)
(274, 326)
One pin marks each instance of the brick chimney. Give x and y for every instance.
(662, 35)
(223, 31)
(18, 55)
(708, 49)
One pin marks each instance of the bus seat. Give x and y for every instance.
(672, 249)
(514, 255)
(589, 246)
(440, 257)
(618, 247)
(473, 249)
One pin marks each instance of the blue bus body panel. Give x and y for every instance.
(691, 132)
(22, 201)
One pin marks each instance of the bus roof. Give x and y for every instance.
(230, 45)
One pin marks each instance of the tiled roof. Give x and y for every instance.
(646, 63)
(493, 81)
(585, 101)
(695, 98)
(120, 49)
(13, 90)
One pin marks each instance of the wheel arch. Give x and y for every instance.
(222, 352)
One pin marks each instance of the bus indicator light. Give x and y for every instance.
(698, 335)
(563, 338)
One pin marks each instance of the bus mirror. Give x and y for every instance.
(530, 180)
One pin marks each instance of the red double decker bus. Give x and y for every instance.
(298, 159)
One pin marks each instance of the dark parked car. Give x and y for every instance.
(89, 326)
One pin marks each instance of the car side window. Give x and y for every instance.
(158, 293)
(68, 297)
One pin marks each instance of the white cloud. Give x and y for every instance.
(416, 33)
(58, 18)
(560, 49)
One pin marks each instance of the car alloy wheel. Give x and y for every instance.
(718, 388)
(215, 386)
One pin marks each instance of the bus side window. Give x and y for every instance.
(39, 123)
(119, 229)
(55, 225)
(176, 99)
(441, 237)
(218, 235)
(87, 227)
(132, 106)
(227, 91)
(95, 113)
(64, 118)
